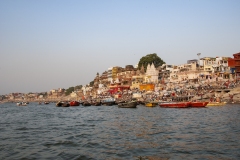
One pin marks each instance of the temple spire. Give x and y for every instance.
(142, 69)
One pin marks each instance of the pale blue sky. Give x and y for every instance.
(50, 44)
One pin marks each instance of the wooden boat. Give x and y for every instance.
(74, 103)
(62, 104)
(59, 104)
(198, 104)
(131, 104)
(151, 104)
(65, 104)
(175, 104)
(46, 102)
(96, 104)
(215, 104)
(86, 103)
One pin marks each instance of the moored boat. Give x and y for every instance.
(151, 104)
(175, 104)
(97, 103)
(74, 103)
(198, 104)
(62, 104)
(109, 101)
(215, 104)
(131, 104)
(46, 102)
(21, 104)
(59, 104)
(86, 103)
(65, 104)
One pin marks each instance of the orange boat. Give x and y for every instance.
(198, 104)
(74, 103)
(175, 105)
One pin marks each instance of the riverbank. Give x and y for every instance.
(204, 90)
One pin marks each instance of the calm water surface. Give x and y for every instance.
(108, 132)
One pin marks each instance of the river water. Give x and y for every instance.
(108, 132)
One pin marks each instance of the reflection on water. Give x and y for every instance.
(108, 132)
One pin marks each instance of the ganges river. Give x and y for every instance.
(108, 132)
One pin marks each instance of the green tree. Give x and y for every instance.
(69, 90)
(150, 59)
(78, 87)
(91, 83)
(44, 94)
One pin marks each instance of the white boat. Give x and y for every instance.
(108, 101)
(21, 104)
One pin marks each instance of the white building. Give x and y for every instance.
(151, 74)
(109, 72)
(221, 65)
(101, 89)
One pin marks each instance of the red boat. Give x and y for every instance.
(198, 104)
(74, 103)
(175, 105)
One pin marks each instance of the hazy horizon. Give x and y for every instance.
(54, 44)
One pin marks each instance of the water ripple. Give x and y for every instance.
(109, 132)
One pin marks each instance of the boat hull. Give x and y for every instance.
(74, 103)
(215, 104)
(150, 104)
(96, 104)
(175, 105)
(128, 105)
(198, 104)
(62, 104)
(86, 103)
(21, 104)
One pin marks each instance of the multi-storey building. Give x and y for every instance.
(208, 63)
(109, 72)
(237, 64)
(221, 64)
(104, 77)
(138, 78)
(115, 71)
(188, 71)
(55, 93)
(125, 75)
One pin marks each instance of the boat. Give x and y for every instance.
(62, 104)
(215, 104)
(59, 104)
(175, 104)
(108, 101)
(151, 104)
(65, 104)
(21, 104)
(46, 102)
(74, 103)
(131, 104)
(96, 103)
(198, 104)
(86, 103)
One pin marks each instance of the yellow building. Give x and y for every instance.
(115, 71)
(147, 87)
(208, 62)
(136, 81)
